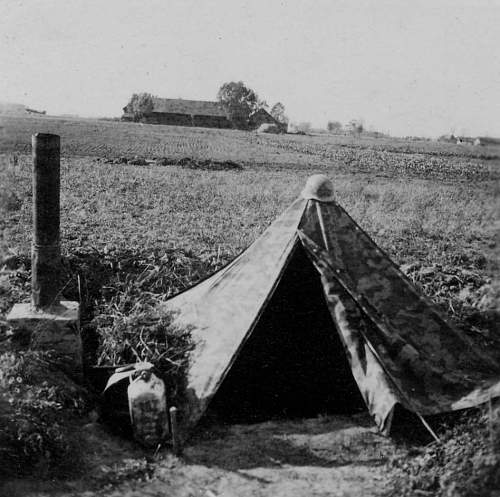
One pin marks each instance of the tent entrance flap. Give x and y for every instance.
(293, 364)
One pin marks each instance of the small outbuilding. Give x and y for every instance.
(261, 116)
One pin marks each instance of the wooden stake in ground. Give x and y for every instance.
(174, 431)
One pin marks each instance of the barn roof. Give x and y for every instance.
(190, 107)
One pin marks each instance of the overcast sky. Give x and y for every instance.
(404, 67)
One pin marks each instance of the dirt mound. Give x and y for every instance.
(187, 162)
(214, 165)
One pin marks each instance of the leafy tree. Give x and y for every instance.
(239, 102)
(334, 126)
(278, 112)
(140, 104)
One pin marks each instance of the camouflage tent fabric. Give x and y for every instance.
(399, 348)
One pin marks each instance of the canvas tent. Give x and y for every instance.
(314, 317)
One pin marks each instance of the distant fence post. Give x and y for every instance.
(46, 250)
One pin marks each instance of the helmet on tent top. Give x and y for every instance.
(318, 187)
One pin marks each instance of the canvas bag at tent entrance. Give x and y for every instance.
(400, 350)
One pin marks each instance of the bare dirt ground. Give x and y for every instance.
(326, 456)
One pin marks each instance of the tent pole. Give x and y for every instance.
(322, 226)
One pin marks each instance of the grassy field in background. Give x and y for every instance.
(416, 158)
(132, 233)
(101, 137)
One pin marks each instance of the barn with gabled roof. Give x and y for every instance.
(180, 112)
